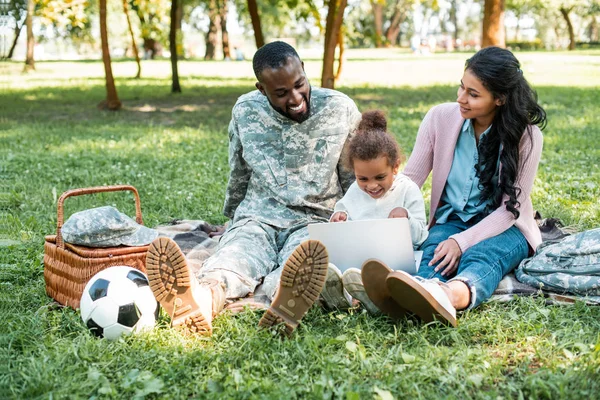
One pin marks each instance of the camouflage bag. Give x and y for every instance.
(567, 266)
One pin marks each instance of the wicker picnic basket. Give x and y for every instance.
(68, 267)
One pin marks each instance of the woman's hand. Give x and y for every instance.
(398, 212)
(448, 254)
(339, 216)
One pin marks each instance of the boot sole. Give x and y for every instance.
(172, 282)
(374, 274)
(416, 299)
(302, 280)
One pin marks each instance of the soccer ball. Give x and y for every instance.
(118, 301)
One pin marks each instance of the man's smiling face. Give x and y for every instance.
(287, 89)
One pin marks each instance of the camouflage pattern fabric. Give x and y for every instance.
(250, 251)
(283, 172)
(568, 266)
(105, 227)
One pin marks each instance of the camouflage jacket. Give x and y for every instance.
(283, 172)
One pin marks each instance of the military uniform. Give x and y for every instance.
(284, 175)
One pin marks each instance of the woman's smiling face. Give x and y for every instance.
(476, 102)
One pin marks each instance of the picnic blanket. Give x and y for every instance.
(194, 239)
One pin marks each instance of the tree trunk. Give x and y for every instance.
(341, 54)
(335, 17)
(213, 28)
(565, 13)
(29, 61)
(378, 20)
(14, 43)
(454, 20)
(151, 47)
(258, 34)
(224, 33)
(594, 32)
(393, 30)
(175, 87)
(493, 24)
(179, 22)
(112, 101)
(133, 43)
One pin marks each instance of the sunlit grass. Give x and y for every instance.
(173, 148)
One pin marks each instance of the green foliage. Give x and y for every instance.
(283, 18)
(69, 19)
(174, 150)
(526, 46)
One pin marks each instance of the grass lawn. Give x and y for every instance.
(173, 148)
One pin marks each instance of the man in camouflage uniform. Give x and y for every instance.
(286, 141)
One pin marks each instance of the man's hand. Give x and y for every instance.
(448, 253)
(339, 216)
(398, 212)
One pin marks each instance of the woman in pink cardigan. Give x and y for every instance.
(483, 152)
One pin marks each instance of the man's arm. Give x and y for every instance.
(239, 173)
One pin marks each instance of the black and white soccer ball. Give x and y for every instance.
(118, 301)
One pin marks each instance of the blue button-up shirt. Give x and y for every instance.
(461, 194)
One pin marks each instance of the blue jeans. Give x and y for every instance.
(483, 265)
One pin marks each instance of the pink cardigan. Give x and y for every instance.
(434, 151)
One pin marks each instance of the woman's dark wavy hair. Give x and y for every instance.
(500, 72)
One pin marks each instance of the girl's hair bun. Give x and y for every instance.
(373, 120)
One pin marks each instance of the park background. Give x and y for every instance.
(57, 133)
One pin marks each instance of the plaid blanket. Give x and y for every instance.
(194, 239)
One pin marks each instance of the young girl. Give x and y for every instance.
(484, 152)
(378, 192)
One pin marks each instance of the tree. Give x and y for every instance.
(17, 10)
(112, 101)
(213, 28)
(565, 10)
(493, 24)
(400, 10)
(335, 18)
(377, 6)
(258, 34)
(133, 43)
(154, 23)
(175, 87)
(223, 10)
(29, 61)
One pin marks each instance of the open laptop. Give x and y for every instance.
(351, 243)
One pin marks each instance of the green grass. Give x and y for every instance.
(173, 148)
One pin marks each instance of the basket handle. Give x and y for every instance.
(92, 190)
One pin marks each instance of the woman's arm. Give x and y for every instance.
(420, 163)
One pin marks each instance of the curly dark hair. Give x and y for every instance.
(372, 140)
(500, 72)
(272, 55)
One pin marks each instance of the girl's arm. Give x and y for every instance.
(501, 219)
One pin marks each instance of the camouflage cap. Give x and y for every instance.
(105, 227)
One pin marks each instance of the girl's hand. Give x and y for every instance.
(448, 253)
(339, 216)
(398, 212)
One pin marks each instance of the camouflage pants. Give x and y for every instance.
(249, 252)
